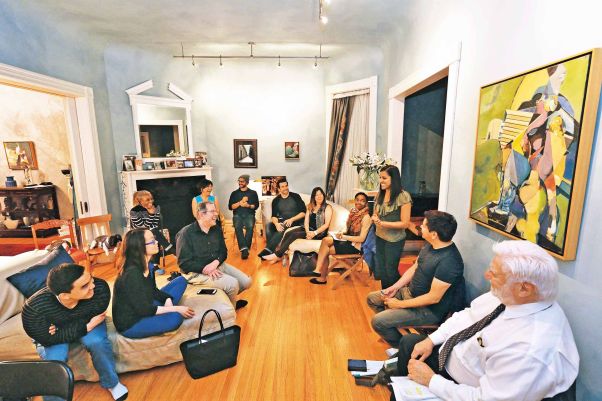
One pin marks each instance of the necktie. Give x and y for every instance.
(466, 334)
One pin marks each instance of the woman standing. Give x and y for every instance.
(205, 188)
(392, 211)
(140, 309)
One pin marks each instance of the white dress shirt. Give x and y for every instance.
(526, 354)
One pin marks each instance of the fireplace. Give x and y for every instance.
(173, 190)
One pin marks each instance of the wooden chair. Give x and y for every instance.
(352, 263)
(91, 228)
(22, 379)
(75, 253)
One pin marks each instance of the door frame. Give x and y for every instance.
(445, 65)
(82, 133)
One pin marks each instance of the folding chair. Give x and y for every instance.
(21, 379)
(352, 263)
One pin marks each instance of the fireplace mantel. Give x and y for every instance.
(129, 179)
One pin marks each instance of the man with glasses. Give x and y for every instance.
(202, 253)
(243, 203)
(424, 294)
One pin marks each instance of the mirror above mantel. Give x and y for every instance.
(162, 125)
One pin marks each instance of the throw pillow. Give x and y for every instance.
(33, 279)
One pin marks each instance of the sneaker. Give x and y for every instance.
(244, 254)
(119, 392)
(391, 352)
(241, 303)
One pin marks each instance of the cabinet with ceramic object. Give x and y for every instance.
(26, 206)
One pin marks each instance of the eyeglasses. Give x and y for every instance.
(153, 242)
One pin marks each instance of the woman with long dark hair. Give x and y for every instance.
(392, 211)
(205, 188)
(318, 215)
(140, 309)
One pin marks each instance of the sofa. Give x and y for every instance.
(130, 354)
(338, 223)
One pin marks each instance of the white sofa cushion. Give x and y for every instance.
(11, 300)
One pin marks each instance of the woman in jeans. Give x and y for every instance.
(140, 309)
(392, 210)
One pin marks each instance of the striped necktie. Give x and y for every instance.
(466, 334)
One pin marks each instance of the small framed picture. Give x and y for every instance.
(170, 163)
(202, 156)
(269, 184)
(138, 164)
(21, 155)
(129, 162)
(291, 151)
(188, 163)
(245, 153)
(148, 166)
(180, 163)
(159, 165)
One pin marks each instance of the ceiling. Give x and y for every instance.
(358, 22)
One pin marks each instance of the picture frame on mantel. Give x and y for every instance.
(532, 152)
(245, 153)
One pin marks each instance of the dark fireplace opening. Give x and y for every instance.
(174, 195)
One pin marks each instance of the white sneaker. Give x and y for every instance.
(391, 351)
(119, 392)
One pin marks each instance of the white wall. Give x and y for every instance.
(500, 39)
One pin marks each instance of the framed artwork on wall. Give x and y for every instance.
(291, 151)
(21, 155)
(532, 153)
(269, 184)
(245, 153)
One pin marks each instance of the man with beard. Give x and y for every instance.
(243, 203)
(512, 343)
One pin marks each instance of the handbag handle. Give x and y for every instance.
(219, 318)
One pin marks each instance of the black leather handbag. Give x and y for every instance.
(303, 264)
(213, 352)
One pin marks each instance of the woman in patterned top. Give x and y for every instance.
(392, 210)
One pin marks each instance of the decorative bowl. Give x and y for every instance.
(11, 224)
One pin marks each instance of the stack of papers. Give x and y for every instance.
(372, 368)
(408, 390)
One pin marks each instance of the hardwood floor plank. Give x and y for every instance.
(295, 341)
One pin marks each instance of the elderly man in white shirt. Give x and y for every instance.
(513, 343)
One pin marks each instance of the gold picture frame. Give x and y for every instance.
(21, 155)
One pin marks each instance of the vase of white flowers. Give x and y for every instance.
(368, 166)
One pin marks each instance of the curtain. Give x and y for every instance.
(339, 130)
(357, 142)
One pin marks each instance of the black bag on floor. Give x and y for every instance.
(303, 264)
(213, 352)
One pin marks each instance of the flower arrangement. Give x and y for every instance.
(367, 166)
(371, 163)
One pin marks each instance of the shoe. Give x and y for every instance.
(316, 281)
(263, 253)
(391, 352)
(119, 392)
(271, 256)
(241, 303)
(244, 254)
(174, 275)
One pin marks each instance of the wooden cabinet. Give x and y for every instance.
(28, 205)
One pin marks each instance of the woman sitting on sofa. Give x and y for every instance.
(205, 188)
(358, 225)
(317, 221)
(140, 309)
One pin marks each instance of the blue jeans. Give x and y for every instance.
(244, 239)
(159, 324)
(98, 345)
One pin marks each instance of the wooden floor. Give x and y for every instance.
(296, 338)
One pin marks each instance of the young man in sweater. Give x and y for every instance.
(72, 308)
(423, 295)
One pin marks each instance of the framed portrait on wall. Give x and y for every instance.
(21, 155)
(245, 153)
(532, 153)
(291, 151)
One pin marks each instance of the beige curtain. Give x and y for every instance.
(357, 142)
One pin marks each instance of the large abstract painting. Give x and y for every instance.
(534, 139)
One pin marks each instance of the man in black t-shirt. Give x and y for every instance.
(243, 203)
(288, 213)
(423, 295)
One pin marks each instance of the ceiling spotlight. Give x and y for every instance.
(279, 65)
(324, 19)
(220, 60)
(315, 63)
